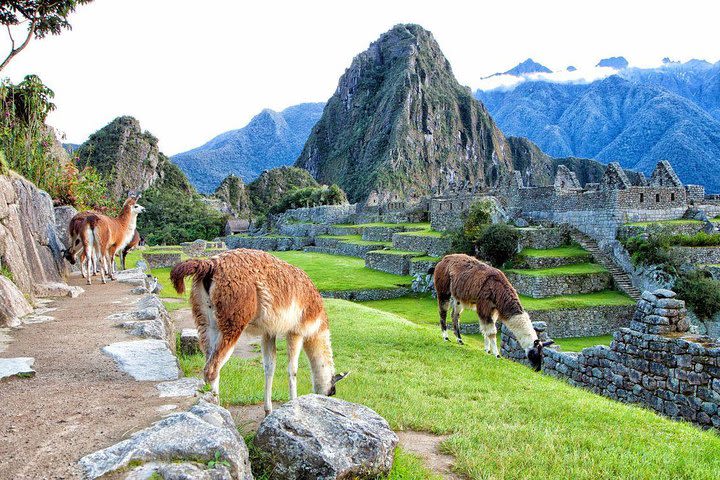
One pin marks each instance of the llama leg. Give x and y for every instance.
(443, 306)
(269, 352)
(89, 263)
(457, 310)
(489, 331)
(294, 346)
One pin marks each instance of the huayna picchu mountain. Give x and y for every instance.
(271, 139)
(400, 124)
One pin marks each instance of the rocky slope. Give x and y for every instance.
(271, 139)
(234, 195)
(128, 156)
(271, 185)
(637, 117)
(399, 123)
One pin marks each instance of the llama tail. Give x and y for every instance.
(201, 270)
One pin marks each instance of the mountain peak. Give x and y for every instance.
(618, 63)
(526, 67)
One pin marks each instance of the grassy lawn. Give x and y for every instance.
(423, 309)
(562, 252)
(426, 258)
(574, 269)
(392, 251)
(337, 272)
(576, 344)
(423, 233)
(504, 420)
(417, 226)
(681, 221)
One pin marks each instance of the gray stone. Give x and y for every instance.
(13, 304)
(195, 435)
(664, 293)
(63, 215)
(179, 471)
(182, 387)
(57, 289)
(189, 341)
(140, 290)
(144, 360)
(325, 438)
(146, 329)
(10, 367)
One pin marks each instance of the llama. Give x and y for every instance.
(97, 237)
(133, 243)
(249, 290)
(463, 282)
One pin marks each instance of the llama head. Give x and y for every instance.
(535, 353)
(336, 378)
(68, 255)
(137, 209)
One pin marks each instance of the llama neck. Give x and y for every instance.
(521, 326)
(322, 366)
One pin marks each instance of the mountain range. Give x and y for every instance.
(635, 116)
(271, 139)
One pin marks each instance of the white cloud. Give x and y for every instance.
(581, 75)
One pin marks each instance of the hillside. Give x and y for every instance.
(271, 139)
(401, 124)
(637, 117)
(129, 158)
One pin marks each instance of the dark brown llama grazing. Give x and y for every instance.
(463, 282)
(249, 290)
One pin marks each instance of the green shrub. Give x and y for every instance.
(650, 250)
(477, 218)
(701, 292)
(700, 239)
(310, 197)
(498, 243)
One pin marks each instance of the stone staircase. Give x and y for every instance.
(620, 277)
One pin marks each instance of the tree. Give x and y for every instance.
(43, 17)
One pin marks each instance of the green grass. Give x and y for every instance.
(423, 233)
(422, 309)
(504, 420)
(356, 240)
(418, 226)
(574, 269)
(425, 258)
(392, 251)
(681, 221)
(561, 252)
(337, 273)
(576, 344)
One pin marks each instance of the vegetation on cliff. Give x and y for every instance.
(270, 187)
(233, 192)
(310, 197)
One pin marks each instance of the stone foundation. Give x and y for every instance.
(431, 245)
(380, 234)
(654, 362)
(554, 285)
(543, 238)
(522, 261)
(162, 260)
(696, 255)
(399, 264)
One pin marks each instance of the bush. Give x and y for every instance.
(498, 243)
(700, 239)
(650, 250)
(310, 197)
(701, 292)
(173, 216)
(478, 217)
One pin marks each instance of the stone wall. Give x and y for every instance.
(431, 245)
(161, 260)
(419, 266)
(303, 229)
(583, 322)
(627, 231)
(696, 255)
(268, 243)
(368, 294)
(396, 263)
(553, 285)
(380, 234)
(324, 214)
(654, 362)
(522, 261)
(542, 238)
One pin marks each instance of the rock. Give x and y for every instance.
(182, 387)
(57, 289)
(63, 215)
(189, 341)
(149, 360)
(325, 438)
(146, 329)
(200, 434)
(179, 471)
(10, 367)
(521, 223)
(13, 304)
(139, 290)
(133, 276)
(664, 293)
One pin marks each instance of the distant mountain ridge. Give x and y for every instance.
(271, 139)
(636, 117)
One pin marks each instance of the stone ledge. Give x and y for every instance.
(554, 285)
(368, 294)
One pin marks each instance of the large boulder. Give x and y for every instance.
(144, 360)
(63, 215)
(30, 247)
(205, 433)
(13, 304)
(325, 438)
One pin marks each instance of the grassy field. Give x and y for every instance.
(504, 420)
(681, 221)
(338, 273)
(574, 269)
(423, 310)
(562, 252)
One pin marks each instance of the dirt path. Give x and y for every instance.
(78, 402)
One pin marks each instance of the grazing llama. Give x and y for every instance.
(249, 290)
(463, 282)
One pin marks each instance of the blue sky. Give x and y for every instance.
(191, 70)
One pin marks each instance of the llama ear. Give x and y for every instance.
(550, 342)
(336, 378)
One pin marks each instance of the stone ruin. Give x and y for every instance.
(654, 362)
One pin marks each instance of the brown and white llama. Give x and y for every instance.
(98, 238)
(249, 290)
(463, 282)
